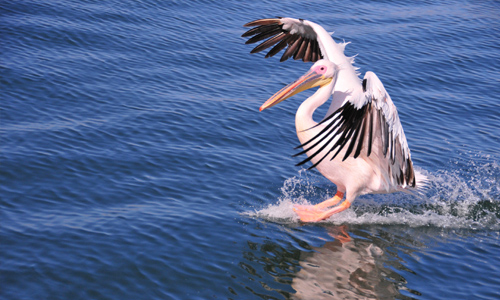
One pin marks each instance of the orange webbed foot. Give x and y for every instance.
(315, 215)
(298, 207)
(310, 215)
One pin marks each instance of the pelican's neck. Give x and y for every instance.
(304, 116)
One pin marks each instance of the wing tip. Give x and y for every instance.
(260, 22)
(297, 45)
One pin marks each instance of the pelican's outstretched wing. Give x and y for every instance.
(308, 41)
(368, 125)
(303, 38)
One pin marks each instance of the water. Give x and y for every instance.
(134, 163)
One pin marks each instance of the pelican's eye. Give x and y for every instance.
(320, 69)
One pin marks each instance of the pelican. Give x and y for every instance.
(359, 145)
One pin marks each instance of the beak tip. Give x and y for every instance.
(261, 109)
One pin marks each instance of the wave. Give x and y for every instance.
(467, 197)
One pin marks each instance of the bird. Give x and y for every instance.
(360, 144)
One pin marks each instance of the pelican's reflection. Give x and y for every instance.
(356, 262)
(346, 268)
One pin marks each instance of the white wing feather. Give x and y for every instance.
(376, 93)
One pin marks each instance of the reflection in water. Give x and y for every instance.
(344, 269)
(364, 263)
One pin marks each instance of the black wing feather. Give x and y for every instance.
(355, 136)
(277, 38)
(366, 121)
(351, 126)
(299, 54)
(345, 121)
(260, 29)
(264, 35)
(280, 46)
(299, 47)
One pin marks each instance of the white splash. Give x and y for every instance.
(453, 199)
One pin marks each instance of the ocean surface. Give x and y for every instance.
(134, 163)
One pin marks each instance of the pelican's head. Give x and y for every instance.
(322, 73)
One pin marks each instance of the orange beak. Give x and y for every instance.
(309, 80)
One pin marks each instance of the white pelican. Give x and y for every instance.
(360, 145)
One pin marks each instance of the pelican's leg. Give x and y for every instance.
(318, 215)
(320, 206)
(330, 202)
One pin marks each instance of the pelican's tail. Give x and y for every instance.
(421, 183)
(421, 180)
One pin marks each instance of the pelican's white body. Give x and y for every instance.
(354, 176)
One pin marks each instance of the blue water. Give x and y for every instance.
(134, 163)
